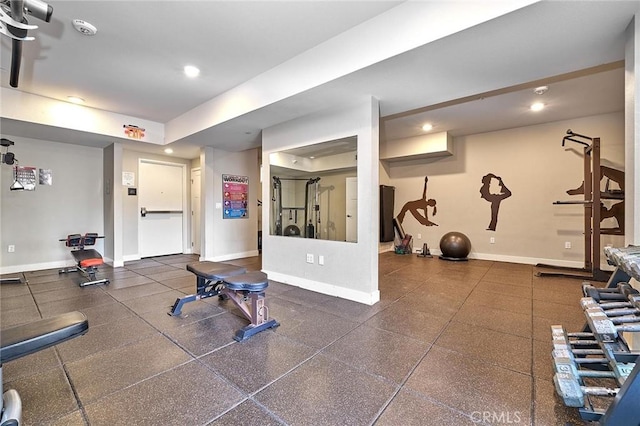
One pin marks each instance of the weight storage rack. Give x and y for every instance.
(605, 389)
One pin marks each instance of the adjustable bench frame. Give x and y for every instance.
(29, 338)
(246, 291)
(87, 260)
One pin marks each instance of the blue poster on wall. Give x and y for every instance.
(235, 191)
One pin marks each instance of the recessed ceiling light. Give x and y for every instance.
(312, 157)
(538, 106)
(168, 151)
(427, 127)
(75, 100)
(191, 71)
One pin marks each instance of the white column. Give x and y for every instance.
(632, 134)
(207, 206)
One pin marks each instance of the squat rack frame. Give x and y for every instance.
(591, 202)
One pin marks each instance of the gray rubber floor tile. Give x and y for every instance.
(379, 352)
(87, 300)
(269, 356)
(190, 394)
(326, 392)
(109, 371)
(46, 396)
(105, 337)
(26, 366)
(141, 290)
(409, 409)
(502, 349)
(247, 414)
(207, 335)
(414, 324)
(495, 319)
(470, 384)
(117, 283)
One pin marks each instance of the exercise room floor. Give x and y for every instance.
(450, 343)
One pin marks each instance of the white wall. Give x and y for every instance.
(130, 210)
(231, 238)
(34, 221)
(351, 269)
(537, 170)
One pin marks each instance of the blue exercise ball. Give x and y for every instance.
(455, 246)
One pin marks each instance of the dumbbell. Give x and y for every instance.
(604, 329)
(619, 293)
(564, 362)
(616, 352)
(561, 340)
(568, 387)
(618, 312)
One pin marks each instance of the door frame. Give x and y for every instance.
(186, 246)
(348, 192)
(195, 231)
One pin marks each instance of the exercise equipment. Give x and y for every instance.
(20, 279)
(311, 209)
(245, 289)
(404, 246)
(572, 392)
(592, 213)
(622, 292)
(387, 198)
(291, 231)
(613, 311)
(87, 260)
(455, 246)
(604, 328)
(29, 338)
(425, 251)
(13, 23)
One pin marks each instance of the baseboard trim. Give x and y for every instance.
(326, 288)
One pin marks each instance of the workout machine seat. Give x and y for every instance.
(208, 283)
(251, 281)
(87, 260)
(29, 338)
(226, 281)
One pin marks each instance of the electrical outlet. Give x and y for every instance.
(419, 236)
(320, 260)
(11, 248)
(309, 258)
(492, 240)
(567, 244)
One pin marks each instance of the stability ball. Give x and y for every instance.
(455, 246)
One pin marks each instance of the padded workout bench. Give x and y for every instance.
(87, 260)
(26, 339)
(227, 281)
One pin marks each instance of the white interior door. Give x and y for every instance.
(195, 211)
(352, 209)
(161, 204)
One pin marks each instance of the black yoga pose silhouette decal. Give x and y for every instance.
(494, 199)
(418, 208)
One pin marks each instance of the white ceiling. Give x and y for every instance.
(475, 80)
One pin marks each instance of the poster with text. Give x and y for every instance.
(235, 191)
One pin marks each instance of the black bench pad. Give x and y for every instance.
(28, 338)
(252, 281)
(215, 270)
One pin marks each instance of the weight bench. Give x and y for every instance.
(87, 260)
(226, 281)
(26, 339)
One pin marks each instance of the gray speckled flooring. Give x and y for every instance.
(450, 343)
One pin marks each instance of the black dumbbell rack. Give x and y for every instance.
(624, 408)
